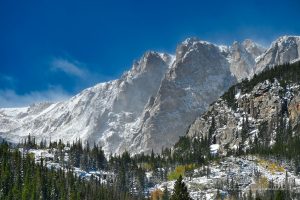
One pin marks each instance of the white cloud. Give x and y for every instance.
(78, 70)
(70, 67)
(9, 98)
(8, 79)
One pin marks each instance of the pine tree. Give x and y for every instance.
(218, 195)
(180, 191)
(211, 130)
(165, 195)
(279, 195)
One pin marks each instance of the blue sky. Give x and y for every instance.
(50, 50)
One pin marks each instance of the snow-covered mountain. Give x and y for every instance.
(283, 50)
(106, 113)
(152, 104)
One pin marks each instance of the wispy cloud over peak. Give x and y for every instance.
(77, 70)
(70, 67)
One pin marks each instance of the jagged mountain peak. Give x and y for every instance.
(237, 44)
(240, 55)
(242, 58)
(149, 61)
(253, 48)
(285, 49)
(250, 43)
(286, 39)
(193, 41)
(192, 46)
(284, 43)
(224, 48)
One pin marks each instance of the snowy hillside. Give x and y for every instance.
(106, 113)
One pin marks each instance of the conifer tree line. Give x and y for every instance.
(286, 74)
(81, 155)
(23, 179)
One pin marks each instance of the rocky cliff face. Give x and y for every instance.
(242, 58)
(152, 104)
(259, 110)
(199, 75)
